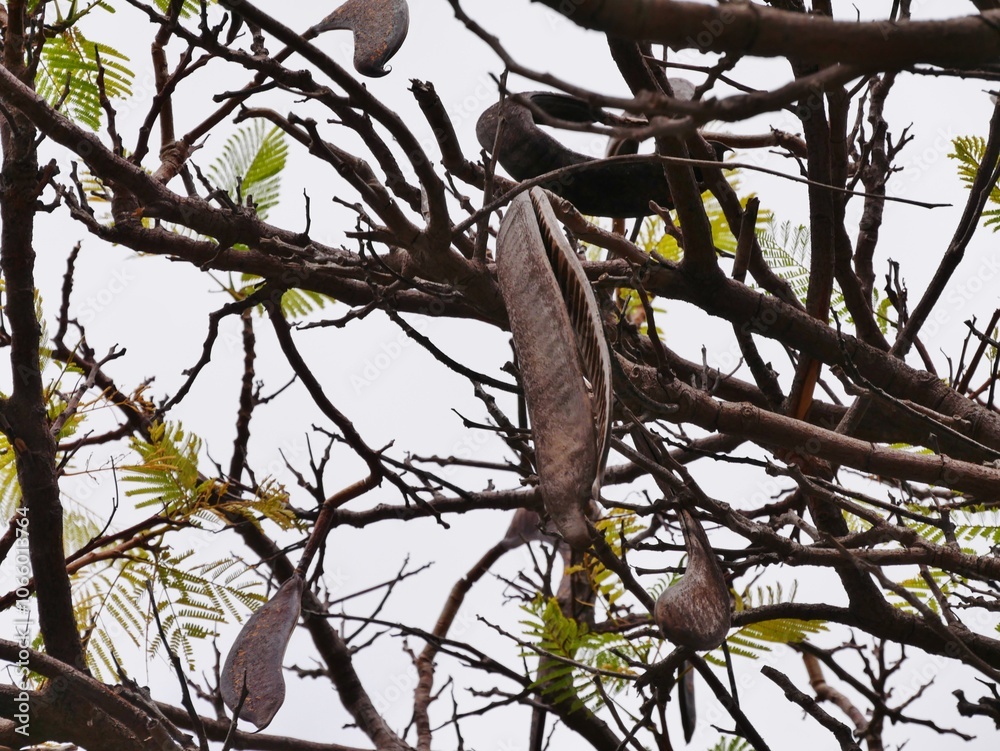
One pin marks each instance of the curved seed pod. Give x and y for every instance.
(254, 661)
(379, 28)
(611, 189)
(527, 151)
(694, 612)
(557, 331)
(683, 88)
(524, 527)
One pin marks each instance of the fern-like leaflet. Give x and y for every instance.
(251, 164)
(192, 600)
(969, 152)
(752, 640)
(68, 75)
(553, 633)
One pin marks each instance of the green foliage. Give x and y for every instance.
(81, 524)
(786, 250)
(188, 9)
(653, 237)
(298, 303)
(921, 590)
(75, 11)
(67, 75)
(295, 303)
(192, 601)
(250, 168)
(55, 404)
(731, 744)
(977, 527)
(751, 640)
(168, 472)
(754, 639)
(556, 634)
(251, 164)
(168, 475)
(969, 525)
(969, 152)
(10, 491)
(617, 525)
(883, 307)
(110, 596)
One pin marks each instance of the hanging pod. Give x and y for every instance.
(253, 665)
(379, 27)
(694, 612)
(563, 356)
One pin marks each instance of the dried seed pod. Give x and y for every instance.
(379, 28)
(694, 612)
(600, 188)
(524, 527)
(557, 330)
(254, 661)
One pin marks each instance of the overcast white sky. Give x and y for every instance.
(143, 303)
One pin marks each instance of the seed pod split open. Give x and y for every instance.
(559, 337)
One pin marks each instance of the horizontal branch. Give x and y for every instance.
(218, 730)
(65, 678)
(753, 30)
(768, 429)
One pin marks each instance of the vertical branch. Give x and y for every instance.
(23, 417)
(816, 128)
(247, 400)
(986, 179)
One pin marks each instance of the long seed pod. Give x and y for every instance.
(379, 27)
(598, 187)
(253, 665)
(694, 612)
(557, 330)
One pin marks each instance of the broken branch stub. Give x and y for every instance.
(254, 661)
(556, 325)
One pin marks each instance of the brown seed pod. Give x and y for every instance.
(254, 661)
(694, 612)
(557, 330)
(598, 187)
(379, 28)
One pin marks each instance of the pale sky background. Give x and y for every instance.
(158, 309)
